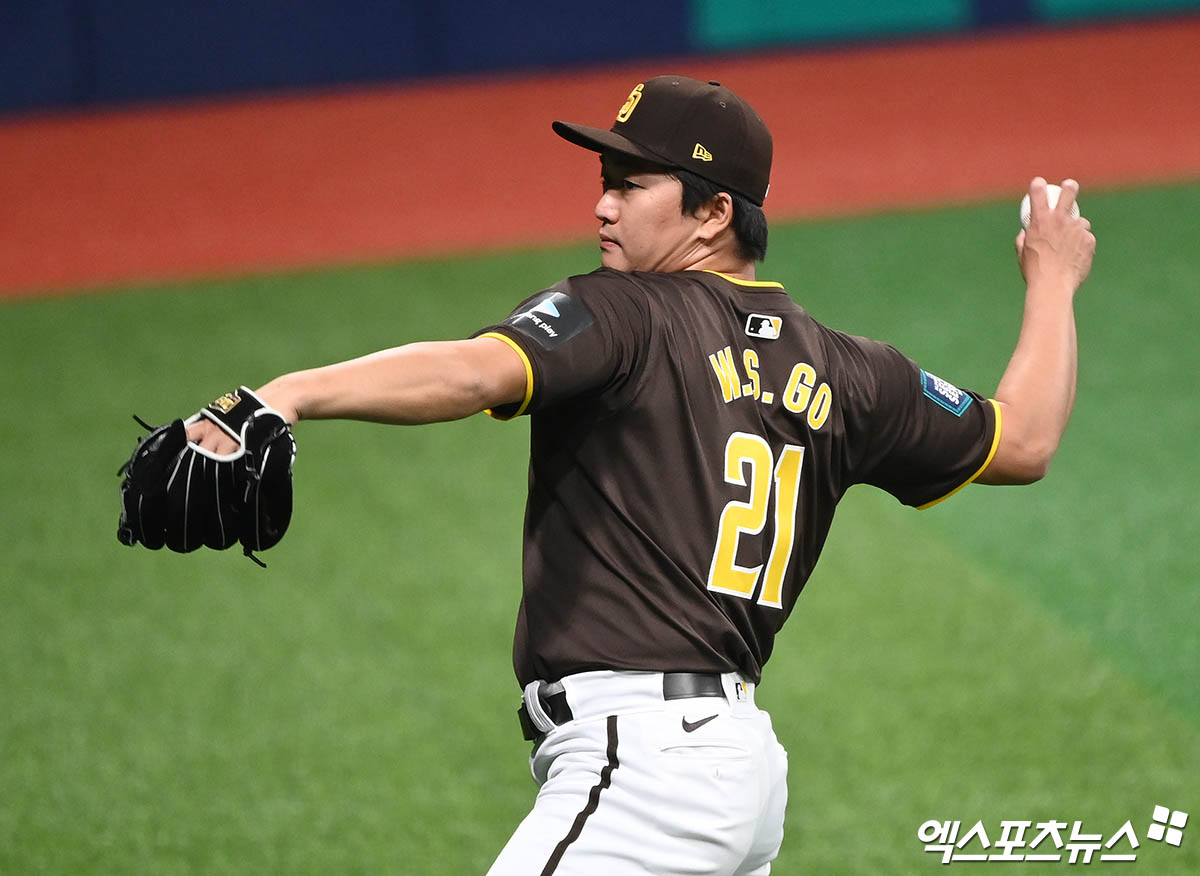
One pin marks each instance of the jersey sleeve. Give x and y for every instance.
(915, 435)
(583, 338)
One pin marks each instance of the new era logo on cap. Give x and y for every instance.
(701, 153)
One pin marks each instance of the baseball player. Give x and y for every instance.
(693, 429)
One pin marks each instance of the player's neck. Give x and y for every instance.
(725, 263)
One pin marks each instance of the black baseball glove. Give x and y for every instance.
(177, 494)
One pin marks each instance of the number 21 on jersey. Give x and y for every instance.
(744, 451)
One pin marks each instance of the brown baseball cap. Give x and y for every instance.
(679, 122)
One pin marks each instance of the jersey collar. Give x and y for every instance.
(756, 284)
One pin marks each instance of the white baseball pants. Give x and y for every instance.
(637, 785)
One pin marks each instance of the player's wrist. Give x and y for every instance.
(282, 395)
(1051, 286)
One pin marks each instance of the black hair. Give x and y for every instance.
(749, 224)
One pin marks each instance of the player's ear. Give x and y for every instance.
(715, 216)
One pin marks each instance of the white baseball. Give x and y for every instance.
(1052, 193)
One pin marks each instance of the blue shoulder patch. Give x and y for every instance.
(949, 396)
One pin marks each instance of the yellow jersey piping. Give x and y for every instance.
(528, 376)
(986, 462)
(761, 284)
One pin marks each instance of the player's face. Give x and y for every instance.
(642, 225)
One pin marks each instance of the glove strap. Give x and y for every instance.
(232, 413)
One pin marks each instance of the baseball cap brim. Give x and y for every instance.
(599, 140)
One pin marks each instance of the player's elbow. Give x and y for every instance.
(1019, 462)
(483, 391)
(1029, 471)
(477, 392)
(494, 373)
(1028, 442)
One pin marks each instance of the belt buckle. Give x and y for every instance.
(686, 685)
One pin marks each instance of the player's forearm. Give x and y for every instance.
(1037, 391)
(1038, 388)
(418, 383)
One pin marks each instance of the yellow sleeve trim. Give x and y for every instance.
(528, 376)
(991, 454)
(762, 284)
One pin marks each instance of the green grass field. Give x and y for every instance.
(1012, 654)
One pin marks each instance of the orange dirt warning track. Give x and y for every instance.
(254, 184)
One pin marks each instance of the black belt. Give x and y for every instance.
(676, 686)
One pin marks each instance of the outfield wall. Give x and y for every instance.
(72, 53)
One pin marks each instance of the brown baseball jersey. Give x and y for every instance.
(691, 437)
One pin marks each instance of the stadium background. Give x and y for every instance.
(218, 196)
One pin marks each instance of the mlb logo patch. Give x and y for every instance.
(945, 394)
(759, 325)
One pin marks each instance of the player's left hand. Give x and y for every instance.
(222, 477)
(207, 436)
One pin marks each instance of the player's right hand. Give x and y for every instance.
(1057, 249)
